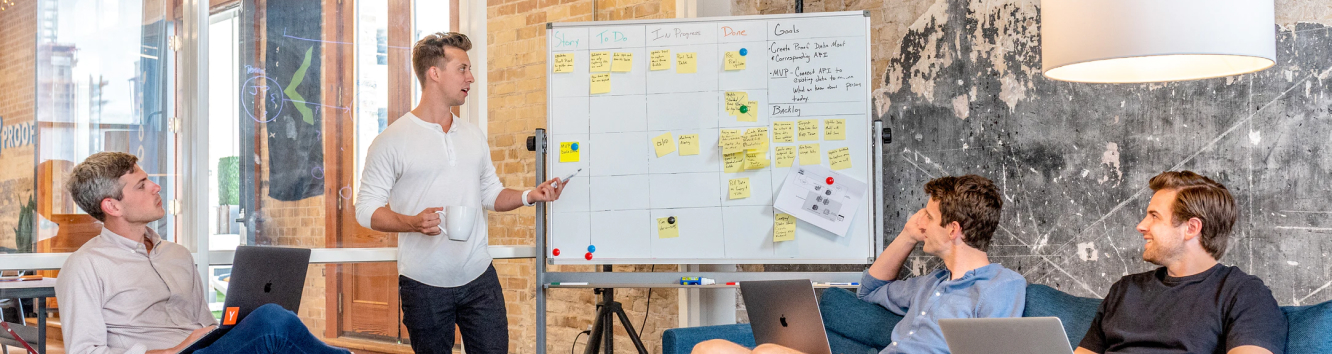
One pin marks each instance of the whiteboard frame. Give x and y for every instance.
(873, 203)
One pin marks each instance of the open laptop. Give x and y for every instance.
(260, 275)
(1019, 335)
(785, 312)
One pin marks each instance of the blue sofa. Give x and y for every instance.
(858, 327)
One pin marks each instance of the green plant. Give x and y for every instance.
(228, 181)
(23, 231)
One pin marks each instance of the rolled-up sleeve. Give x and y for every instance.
(381, 170)
(894, 295)
(81, 301)
(490, 183)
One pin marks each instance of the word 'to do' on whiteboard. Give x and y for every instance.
(656, 187)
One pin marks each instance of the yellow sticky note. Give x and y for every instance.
(748, 112)
(732, 141)
(756, 139)
(661, 59)
(668, 227)
(569, 151)
(733, 61)
(686, 63)
(734, 162)
(783, 227)
(840, 159)
(785, 155)
(739, 188)
(809, 154)
(755, 160)
(808, 129)
(664, 144)
(599, 62)
(783, 132)
(564, 62)
(600, 83)
(834, 129)
(622, 62)
(689, 144)
(734, 99)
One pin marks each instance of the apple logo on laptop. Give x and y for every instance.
(268, 288)
(783, 320)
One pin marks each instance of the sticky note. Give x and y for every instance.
(732, 141)
(808, 129)
(600, 83)
(686, 63)
(564, 62)
(622, 62)
(689, 144)
(599, 62)
(665, 144)
(569, 151)
(732, 61)
(668, 227)
(840, 158)
(783, 132)
(748, 112)
(783, 227)
(785, 155)
(809, 154)
(661, 60)
(755, 160)
(834, 129)
(734, 162)
(734, 99)
(756, 139)
(739, 188)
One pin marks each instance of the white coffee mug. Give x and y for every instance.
(456, 222)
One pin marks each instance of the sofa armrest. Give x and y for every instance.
(682, 340)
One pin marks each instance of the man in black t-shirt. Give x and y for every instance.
(1192, 304)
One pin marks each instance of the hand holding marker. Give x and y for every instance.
(566, 179)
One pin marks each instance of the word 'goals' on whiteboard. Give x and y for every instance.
(686, 129)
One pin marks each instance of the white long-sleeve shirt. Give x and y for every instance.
(116, 297)
(414, 165)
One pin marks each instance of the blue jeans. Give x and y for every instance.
(270, 329)
(477, 308)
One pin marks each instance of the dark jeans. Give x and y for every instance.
(477, 308)
(270, 329)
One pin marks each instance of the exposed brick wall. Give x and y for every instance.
(295, 224)
(517, 73)
(18, 23)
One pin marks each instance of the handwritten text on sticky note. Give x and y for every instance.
(834, 129)
(739, 188)
(783, 227)
(622, 62)
(686, 63)
(689, 144)
(664, 144)
(569, 151)
(661, 60)
(783, 132)
(733, 61)
(564, 62)
(840, 158)
(785, 156)
(808, 129)
(599, 62)
(732, 141)
(809, 154)
(668, 227)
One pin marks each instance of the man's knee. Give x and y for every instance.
(774, 349)
(718, 346)
(275, 318)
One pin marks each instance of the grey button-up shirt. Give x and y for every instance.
(115, 297)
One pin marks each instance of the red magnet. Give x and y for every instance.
(556, 252)
(830, 180)
(588, 256)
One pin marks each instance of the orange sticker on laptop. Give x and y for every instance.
(229, 318)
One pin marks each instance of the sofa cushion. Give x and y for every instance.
(856, 320)
(1309, 328)
(1076, 313)
(683, 340)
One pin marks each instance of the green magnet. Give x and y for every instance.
(744, 109)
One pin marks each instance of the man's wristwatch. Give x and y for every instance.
(525, 202)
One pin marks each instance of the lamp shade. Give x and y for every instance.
(1124, 41)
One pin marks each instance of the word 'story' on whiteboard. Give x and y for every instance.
(685, 130)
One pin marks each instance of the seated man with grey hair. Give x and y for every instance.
(127, 291)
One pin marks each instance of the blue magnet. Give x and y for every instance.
(574, 146)
(744, 52)
(591, 249)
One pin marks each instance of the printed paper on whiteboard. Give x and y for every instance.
(808, 196)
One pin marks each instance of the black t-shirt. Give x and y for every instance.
(1209, 312)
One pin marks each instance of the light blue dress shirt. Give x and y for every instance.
(989, 291)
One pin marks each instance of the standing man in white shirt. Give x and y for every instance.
(427, 160)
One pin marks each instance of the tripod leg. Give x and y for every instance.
(594, 338)
(629, 327)
(608, 320)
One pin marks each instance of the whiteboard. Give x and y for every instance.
(797, 67)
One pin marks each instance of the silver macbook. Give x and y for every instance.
(1020, 335)
(786, 313)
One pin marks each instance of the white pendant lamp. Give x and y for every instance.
(1125, 41)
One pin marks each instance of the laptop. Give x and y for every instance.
(786, 313)
(260, 275)
(1019, 335)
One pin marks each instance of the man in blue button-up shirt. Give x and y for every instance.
(956, 225)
